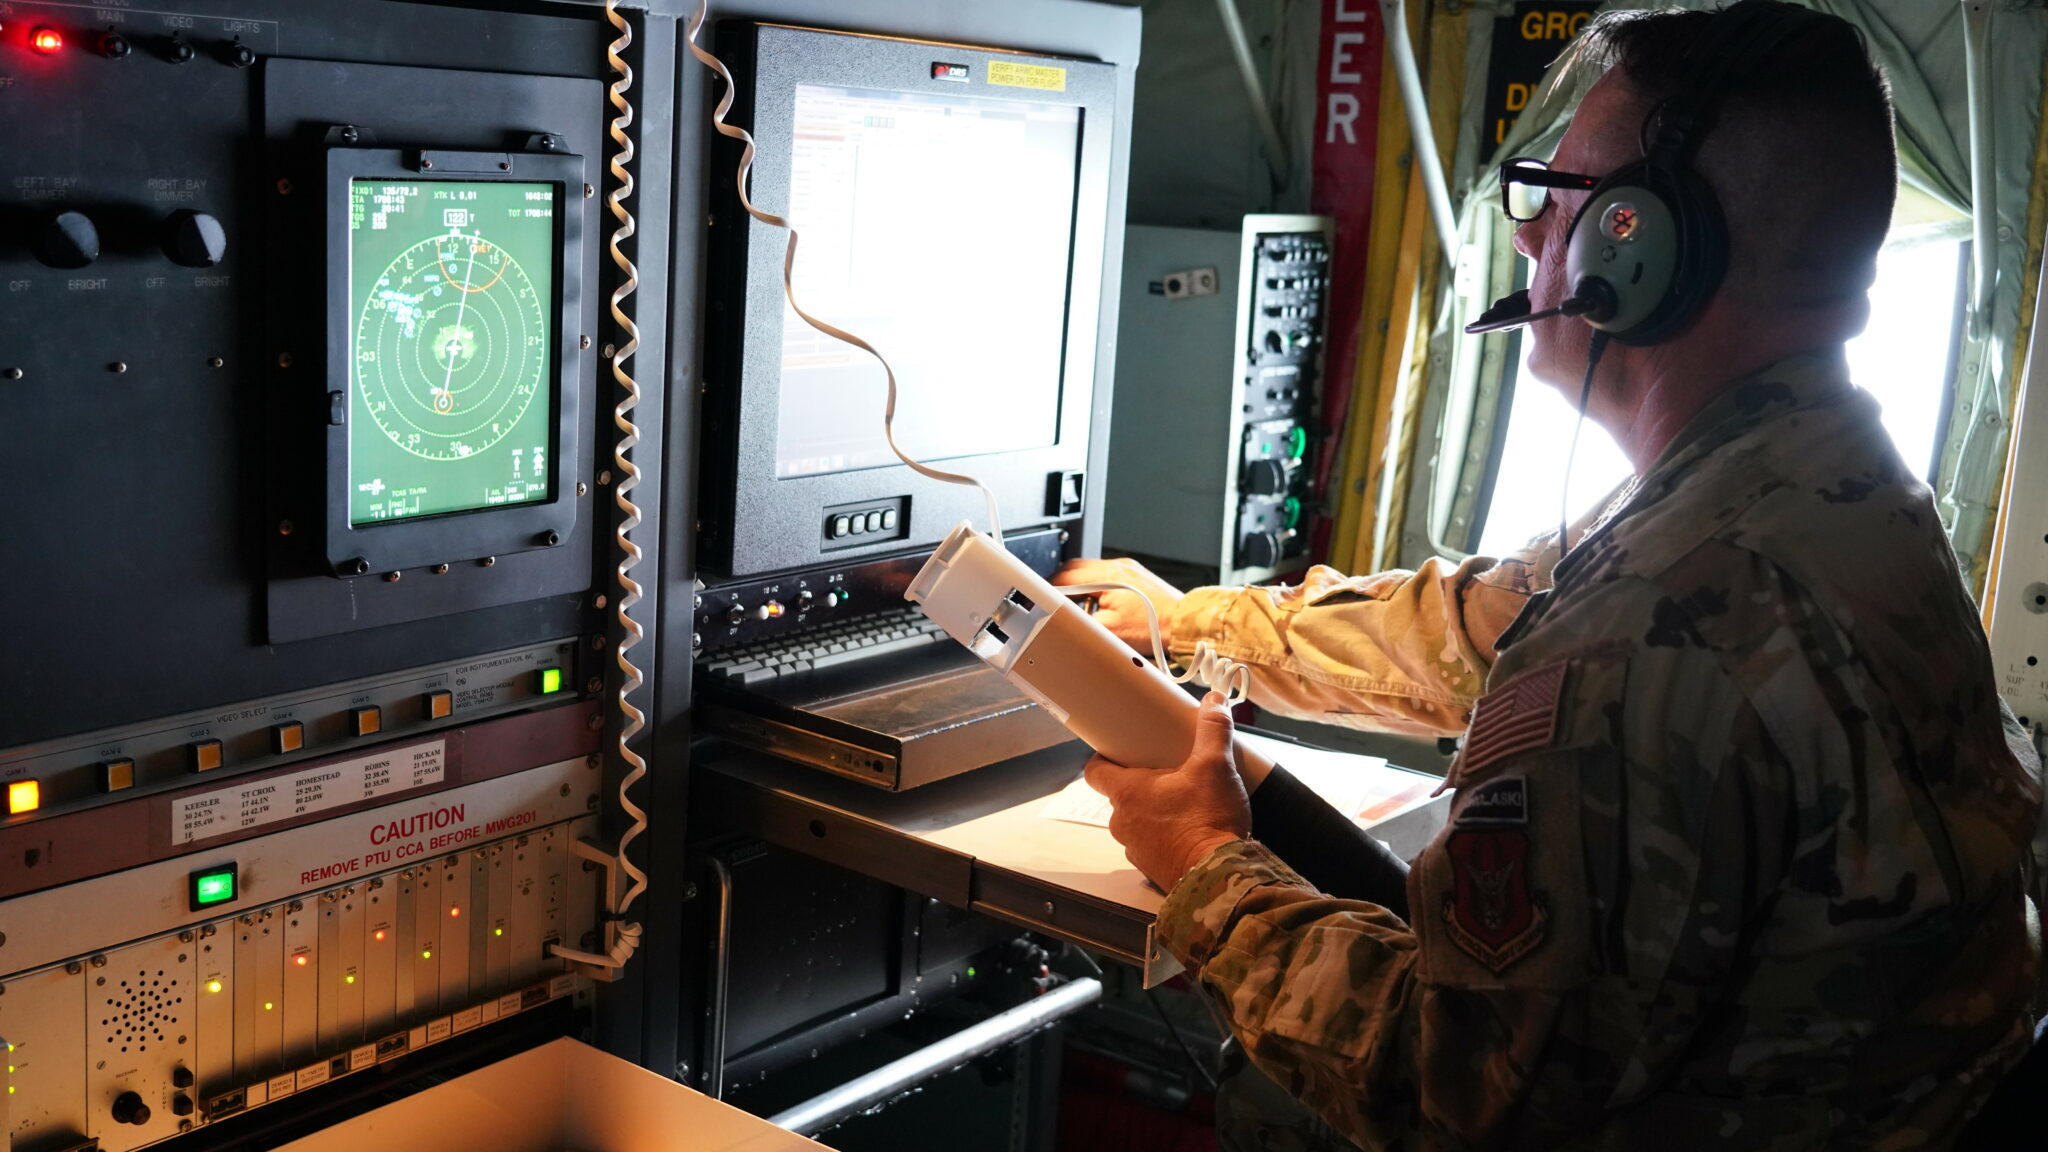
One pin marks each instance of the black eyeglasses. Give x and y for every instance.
(1525, 186)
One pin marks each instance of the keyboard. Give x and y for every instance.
(840, 643)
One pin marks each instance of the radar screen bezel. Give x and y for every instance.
(462, 534)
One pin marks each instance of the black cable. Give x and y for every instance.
(1593, 352)
(1201, 1069)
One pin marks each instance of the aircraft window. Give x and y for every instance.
(1902, 358)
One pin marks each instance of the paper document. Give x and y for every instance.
(1366, 788)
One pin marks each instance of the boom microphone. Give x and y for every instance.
(1512, 311)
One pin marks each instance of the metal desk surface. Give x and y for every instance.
(976, 840)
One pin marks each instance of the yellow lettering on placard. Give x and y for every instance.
(1553, 25)
(1043, 77)
(1518, 97)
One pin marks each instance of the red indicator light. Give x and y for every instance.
(377, 935)
(46, 40)
(454, 911)
(301, 959)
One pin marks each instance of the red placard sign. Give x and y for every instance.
(1347, 123)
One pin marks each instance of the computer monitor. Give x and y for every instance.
(951, 205)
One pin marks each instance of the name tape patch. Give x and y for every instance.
(1500, 801)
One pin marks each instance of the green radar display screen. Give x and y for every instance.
(452, 382)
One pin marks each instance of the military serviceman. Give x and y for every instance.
(1735, 857)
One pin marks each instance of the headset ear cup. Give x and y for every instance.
(1701, 260)
(1626, 238)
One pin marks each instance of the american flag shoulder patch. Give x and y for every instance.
(1519, 716)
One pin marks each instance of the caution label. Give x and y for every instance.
(1043, 77)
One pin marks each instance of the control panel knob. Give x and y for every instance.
(176, 49)
(1258, 550)
(194, 239)
(1265, 478)
(181, 1077)
(129, 1109)
(67, 240)
(115, 46)
(181, 1105)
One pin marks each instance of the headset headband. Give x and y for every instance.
(1741, 40)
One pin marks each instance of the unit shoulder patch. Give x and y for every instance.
(1490, 913)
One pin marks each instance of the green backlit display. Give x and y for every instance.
(452, 398)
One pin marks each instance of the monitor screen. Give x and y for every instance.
(451, 407)
(938, 228)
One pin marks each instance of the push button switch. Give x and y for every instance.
(287, 737)
(205, 755)
(440, 704)
(366, 721)
(116, 774)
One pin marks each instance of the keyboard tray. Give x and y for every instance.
(893, 722)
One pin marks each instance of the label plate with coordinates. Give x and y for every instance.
(252, 805)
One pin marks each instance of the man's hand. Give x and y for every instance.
(1169, 820)
(1120, 612)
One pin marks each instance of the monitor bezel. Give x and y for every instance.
(755, 522)
(394, 545)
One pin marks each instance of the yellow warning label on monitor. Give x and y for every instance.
(1044, 77)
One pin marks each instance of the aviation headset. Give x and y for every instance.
(1649, 246)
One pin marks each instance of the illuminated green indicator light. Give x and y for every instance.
(970, 973)
(214, 886)
(547, 681)
(1297, 443)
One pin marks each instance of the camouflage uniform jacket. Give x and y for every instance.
(1735, 856)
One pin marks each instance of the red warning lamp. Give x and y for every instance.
(301, 959)
(46, 40)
